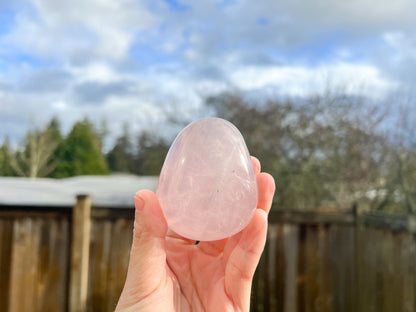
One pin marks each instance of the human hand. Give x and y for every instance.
(168, 272)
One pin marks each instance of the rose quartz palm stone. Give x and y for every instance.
(207, 187)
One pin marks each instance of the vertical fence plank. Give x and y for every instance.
(26, 235)
(277, 303)
(367, 266)
(53, 264)
(265, 277)
(105, 264)
(61, 255)
(291, 252)
(110, 251)
(121, 240)
(310, 269)
(323, 302)
(6, 232)
(257, 298)
(408, 256)
(272, 259)
(81, 231)
(392, 277)
(99, 255)
(349, 254)
(341, 241)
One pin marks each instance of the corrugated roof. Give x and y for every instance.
(115, 190)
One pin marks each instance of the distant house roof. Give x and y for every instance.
(115, 190)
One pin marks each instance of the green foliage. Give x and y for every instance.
(120, 158)
(80, 153)
(152, 151)
(5, 159)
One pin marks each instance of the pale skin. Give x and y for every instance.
(170, 273)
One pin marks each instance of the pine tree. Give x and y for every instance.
(80, 153)
(152, 150)
(5, 159)
(120, 158)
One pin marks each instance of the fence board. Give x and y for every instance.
(323, 302)
(408, 256)
(309, 269)
(110, 251)
(53, 262)
(24, 262)
(291, 247)
(99, 254)
(122, 235)
(341, 262)
(6, 236)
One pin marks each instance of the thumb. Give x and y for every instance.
(150, 226)
(148, 252)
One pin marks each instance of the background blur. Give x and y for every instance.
(324, 92)
(92, 93)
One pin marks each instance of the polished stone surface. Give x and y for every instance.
(207, 187)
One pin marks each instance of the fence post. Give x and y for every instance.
(81, 232)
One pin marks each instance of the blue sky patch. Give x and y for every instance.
(176, 5)
(6, 20)
(262, 21)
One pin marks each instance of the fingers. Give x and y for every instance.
(243, 260)
(215, 248)
(266, 188)
(148, 253)
(243, 251)
(149, 220)
(256, 164)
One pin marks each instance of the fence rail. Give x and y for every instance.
(312, 261)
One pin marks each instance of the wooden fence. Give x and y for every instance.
(337, 262)
(312, 261)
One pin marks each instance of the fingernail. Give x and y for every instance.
(138, 202)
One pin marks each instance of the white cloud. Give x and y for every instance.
(96, 72)
(59, 105)
(403, 45)
(303, 81)
(73, 29)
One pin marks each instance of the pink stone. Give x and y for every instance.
(207, 187)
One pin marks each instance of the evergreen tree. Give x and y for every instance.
(54, 129)
(80, 153)
(120, 158)
(5, 159)
(152, 150)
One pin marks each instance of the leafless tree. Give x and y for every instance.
(35, 159)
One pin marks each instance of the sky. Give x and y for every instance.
(134, 61)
